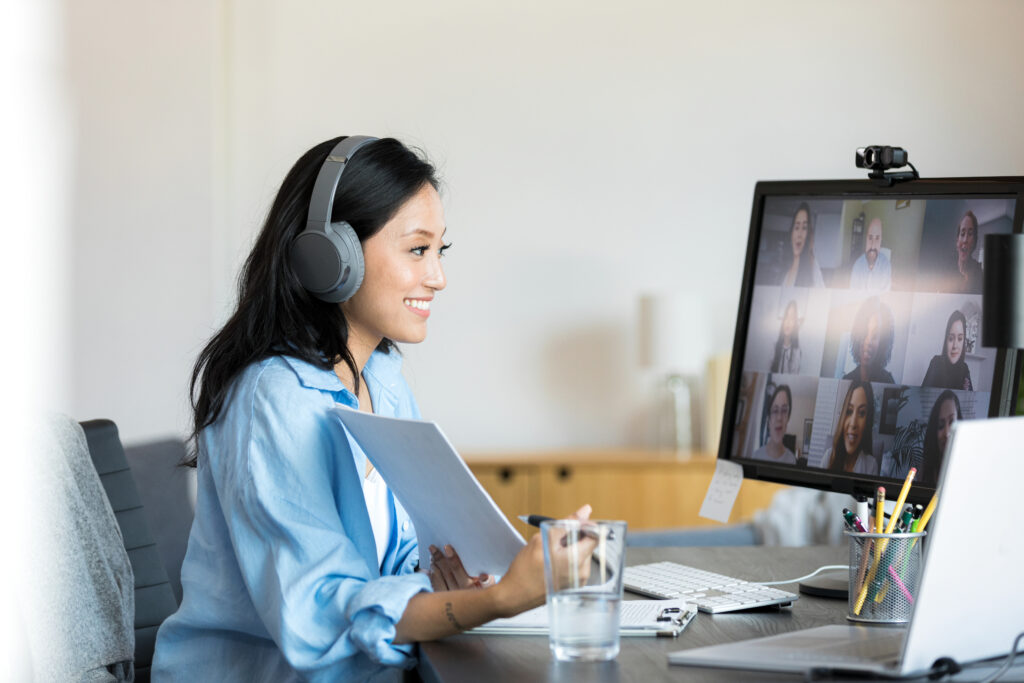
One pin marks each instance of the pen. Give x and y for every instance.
(535, 520)
(853, 521)
(862, 507)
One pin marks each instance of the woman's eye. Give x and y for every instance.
(419, 251)
(444, 248)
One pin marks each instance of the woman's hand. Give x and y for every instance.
(522, 587)
(448, 574)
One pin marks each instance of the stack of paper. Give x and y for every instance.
(639, 618)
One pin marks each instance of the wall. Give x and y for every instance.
(591, 151)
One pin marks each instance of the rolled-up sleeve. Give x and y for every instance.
(287, 491)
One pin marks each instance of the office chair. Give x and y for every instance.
(154, 599)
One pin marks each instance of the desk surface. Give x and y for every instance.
(497, 659)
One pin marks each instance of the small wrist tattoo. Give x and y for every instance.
(451, 616)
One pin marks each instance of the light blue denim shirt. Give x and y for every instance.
(280, 579)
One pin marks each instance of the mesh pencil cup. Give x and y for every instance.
(885, 572)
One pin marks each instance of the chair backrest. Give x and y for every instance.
(170, 494)
(154, 599)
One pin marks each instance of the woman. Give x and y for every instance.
(949, 369)
(945, 412)
(778, 418)
(968, 276)
(852, 450)
(301, 564)
(786, 359)
(803, 268)
(871, 341)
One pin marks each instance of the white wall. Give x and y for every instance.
(591, 152)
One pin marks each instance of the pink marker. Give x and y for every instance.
(896, 580)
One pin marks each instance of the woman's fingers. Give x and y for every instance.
(448, 566)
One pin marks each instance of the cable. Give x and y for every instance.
(814, 573)
(1009, 660)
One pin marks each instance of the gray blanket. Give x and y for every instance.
(77, 607)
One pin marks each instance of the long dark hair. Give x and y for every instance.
(930, 455)
(886, 331)
(794, 339)
(840, 458)
(804, 271)
(953, 317)
(275, 314)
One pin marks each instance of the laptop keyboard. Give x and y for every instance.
(711, 592)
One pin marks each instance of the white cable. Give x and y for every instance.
(1009, 660)
(814, 573)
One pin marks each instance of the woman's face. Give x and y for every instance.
(855, 420)
(955, 342)
(403, 272)
(798, 235)
(778, 418)
(789, 323)
(869, 347)
(966, 237)
(947, 416)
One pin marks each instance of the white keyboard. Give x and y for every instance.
(711, 592)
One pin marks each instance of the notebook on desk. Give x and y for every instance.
(970, 604)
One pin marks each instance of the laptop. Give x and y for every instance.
(970, 603)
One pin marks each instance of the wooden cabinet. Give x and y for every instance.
(648, 489)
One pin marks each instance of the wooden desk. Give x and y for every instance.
(514, 659)
(649, 489)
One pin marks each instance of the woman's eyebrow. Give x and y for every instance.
(423, 231)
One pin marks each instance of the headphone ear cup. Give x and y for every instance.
(329, 264)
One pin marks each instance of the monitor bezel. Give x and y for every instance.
(1007, 362)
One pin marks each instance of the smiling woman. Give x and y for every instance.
(301, 564)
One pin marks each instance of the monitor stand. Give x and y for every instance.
(833, 584)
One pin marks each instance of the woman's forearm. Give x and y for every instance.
(430, 616)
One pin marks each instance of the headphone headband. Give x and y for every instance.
(326, 185)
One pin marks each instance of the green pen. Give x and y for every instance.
(918, 509)
(904, 525)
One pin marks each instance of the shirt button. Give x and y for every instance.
(405, 525)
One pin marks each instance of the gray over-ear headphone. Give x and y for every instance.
(326, 256)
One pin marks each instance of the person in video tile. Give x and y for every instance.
(944, 413)
(871, 342)
(949, 370)
(873, 269)
(968, 276)
(803, 269)
(852, 450)
(778, 418)
(787, 348)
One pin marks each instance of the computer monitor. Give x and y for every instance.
(858, 340)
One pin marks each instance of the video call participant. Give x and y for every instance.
(968, 275)
(803, 268)
(949, 369)
(786, 359)
(871, 341)
(301, 565)
(944, 413)
(872, 270)
(852, 449)
(778, 418)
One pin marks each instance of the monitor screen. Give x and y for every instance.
(858, 342)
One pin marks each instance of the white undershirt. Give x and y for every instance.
(376, 493)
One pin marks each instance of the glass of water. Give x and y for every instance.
(583, 564)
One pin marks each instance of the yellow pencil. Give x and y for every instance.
(879, 509)
(895, 516)
(927, 514)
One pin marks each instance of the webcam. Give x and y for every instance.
(878, 159)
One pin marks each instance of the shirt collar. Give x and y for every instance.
(381, 373)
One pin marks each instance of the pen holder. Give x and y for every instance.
(885, 572)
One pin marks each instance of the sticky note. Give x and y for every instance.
(722, 492)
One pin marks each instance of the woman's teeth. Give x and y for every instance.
(418, 303)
